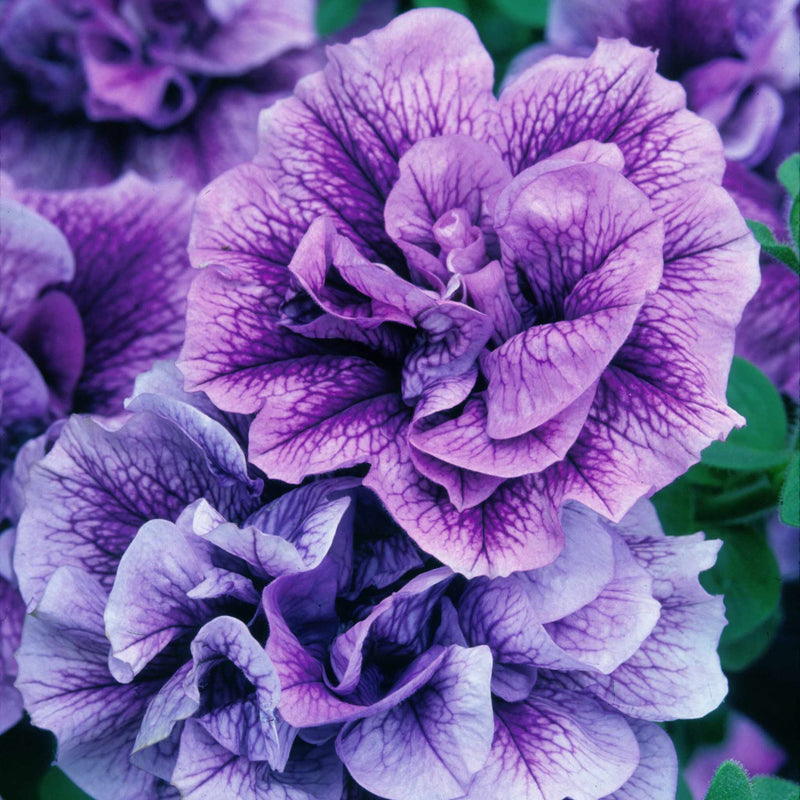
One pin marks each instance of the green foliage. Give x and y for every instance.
(790, 493)
(731, 783)
(782, 252)
(761, 444)
(788, 253)
(789, 175)
(766, 787)
(332, 15)
(532, 13)
(57, 786)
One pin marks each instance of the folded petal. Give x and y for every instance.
(131, 277)
(515, 528)
(656, 776)
(432, 744)
(206, 771)
(35, 255)
(556, 744)
(676, 672)
(554, 105)
(69, 690)
(579, 265)
(96, 487)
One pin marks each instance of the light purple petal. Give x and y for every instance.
(432, 744)
(437, 176)
(207, 771)
(333, 148)
(656, 776)
(676, 672)
(35, 255)
(516, 528)
(96, 487)
(68, 690)
(12, 613)
(148, 606)
(553, 745)
(585, 299)
(553, 105)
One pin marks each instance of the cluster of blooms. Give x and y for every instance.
(474, 332)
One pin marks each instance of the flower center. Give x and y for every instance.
(463, 246)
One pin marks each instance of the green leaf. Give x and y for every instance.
(738, 654)
(462, 6)
(730, 783)
(789, 174)
(761, 444)
(747, 574)
(790, 493)
(532, 13)
(675, 505)
(783, 252)
(57, 786)
(332, 15)
(794, 222)
(766, 787)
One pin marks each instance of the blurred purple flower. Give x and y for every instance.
(170, 89)
(745, 743)
(496, 304)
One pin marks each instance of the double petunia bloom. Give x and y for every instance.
(197, 627)
(499, 305)
(92, 291)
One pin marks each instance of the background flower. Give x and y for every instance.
(91, 90)
(92, 291)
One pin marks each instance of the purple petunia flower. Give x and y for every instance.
(740, 66)
(164, 88)
(143, 549)
(498, 305)
(196, 629)
(92, 290)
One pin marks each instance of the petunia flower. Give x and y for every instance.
(496, 304)
(92, 291)
(194, 628)
(92, 89)
(142, 551)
